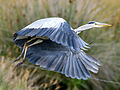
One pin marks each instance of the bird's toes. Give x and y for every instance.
(15, 60)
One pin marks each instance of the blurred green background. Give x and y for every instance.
(104, 42)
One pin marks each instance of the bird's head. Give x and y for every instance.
(91, 24)
(98, 24)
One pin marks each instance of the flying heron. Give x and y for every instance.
(54, 45)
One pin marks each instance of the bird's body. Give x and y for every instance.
(54, 45)
(56, 29)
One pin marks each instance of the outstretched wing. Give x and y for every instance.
(55, 57)
(56, 29)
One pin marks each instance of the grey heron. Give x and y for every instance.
(54, 45)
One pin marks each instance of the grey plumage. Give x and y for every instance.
(55, 33)
(56, 57)
(60, 49)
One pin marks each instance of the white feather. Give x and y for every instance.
(46, 23)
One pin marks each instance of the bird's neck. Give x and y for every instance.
(82, 28)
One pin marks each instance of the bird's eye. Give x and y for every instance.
(95, 23)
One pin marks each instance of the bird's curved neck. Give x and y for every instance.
(82, 28)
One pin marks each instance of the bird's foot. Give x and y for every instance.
(19, 64)
(18, 58)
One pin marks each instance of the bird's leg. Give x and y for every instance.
(20, 54)
(26, 48)
(23, 57)
(23, 50)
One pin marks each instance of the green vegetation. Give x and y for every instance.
(16, 14)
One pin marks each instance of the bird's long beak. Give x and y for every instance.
(105, 25)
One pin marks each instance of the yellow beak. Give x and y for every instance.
(107, 25)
